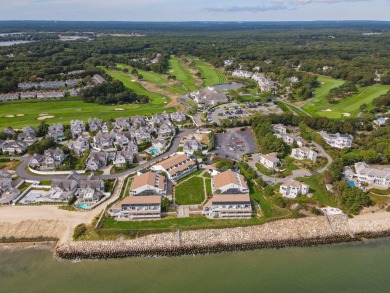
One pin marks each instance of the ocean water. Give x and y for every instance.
(353, 267)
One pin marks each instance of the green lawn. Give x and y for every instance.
(190, 191)
(67, 109)
(182, 74)
(157, 79)
(319, 192)
(192, 223)
(210, 74)
(350, 105)
(319, 101)
(208, 186)
(155, 98)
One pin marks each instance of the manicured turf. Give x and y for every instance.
(319, 193)
(210, 75)
(182, 74)
(155, 98)
(159, 80)
(67, 109)
(350, 105)
(190, 191)
(208, 186)
(191, 223)
(319, 102)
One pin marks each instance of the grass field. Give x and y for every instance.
(190, 191)
(351, 105)
(67, 109)
(157, 79)
(182, 74)
(210, 74)
(155, 98)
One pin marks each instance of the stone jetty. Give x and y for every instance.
(277, 234)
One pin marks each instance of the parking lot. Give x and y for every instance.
(234, 143)
(241, 111)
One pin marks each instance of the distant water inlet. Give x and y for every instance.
(10, 43)
(229, 86)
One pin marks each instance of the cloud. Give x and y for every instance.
(305, 2)
(238, 9)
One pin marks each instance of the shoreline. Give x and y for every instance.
(300, 232)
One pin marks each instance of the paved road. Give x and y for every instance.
(296, 173)
(21, 169)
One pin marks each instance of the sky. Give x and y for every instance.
(193, 10)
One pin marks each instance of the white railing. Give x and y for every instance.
(55, 172)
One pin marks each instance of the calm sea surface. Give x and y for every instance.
(358, 267)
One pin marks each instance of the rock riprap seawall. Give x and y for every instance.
(283, 233)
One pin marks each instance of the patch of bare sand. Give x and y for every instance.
(154, 88)
(19, 115)
(45, 117)
(9, 116)
(119, 109)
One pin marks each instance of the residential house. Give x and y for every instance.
(77, 127)
(304, 153)
(28, 135)
(292, 188)
(63, 189)
(178, 117)
(138, 207)
(79, 146)
(14, 147)
(381, 121)
(95, 124)
(142, 134)
(372, 175)
(91, 188)
(57, 132)
(50, 159)
(229, 182)
(228, 206)
(122, 122)
(165, 130)
(9, 132)
(337, 140)
(150, 183)
(123, 158)
(176, 166)
(97, 160)
(7, 191)
(192, 145)
(279, 128)
(270, 161)
(103, 141)
(138, 121)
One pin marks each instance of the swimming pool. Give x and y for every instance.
(351, 183)
(83, 206)
(153, 150)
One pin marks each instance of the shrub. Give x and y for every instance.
(79, 231)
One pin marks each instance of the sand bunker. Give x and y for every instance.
(327, 110)
(43, 114)
(19, 115)
(133, 80)
(9, 116)
(346, 114)
(45, 117)
(119, 109)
